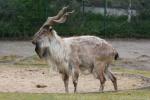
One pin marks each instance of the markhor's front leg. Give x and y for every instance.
(65, 78)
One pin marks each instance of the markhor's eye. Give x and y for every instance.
(45, 30)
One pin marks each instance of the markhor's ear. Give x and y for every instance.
(50, 28)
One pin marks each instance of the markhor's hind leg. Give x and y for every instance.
(111, 77)
(102, 81)
(99, 68)
(114, 81)
(75, 76)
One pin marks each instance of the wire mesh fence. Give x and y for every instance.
(20, 19)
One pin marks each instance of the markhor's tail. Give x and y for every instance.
(116, 56)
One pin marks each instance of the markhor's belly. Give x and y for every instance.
(86, 69)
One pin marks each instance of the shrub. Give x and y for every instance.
(22, 18)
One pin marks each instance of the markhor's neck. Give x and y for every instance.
(57, 48)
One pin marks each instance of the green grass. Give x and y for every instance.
(127, 95)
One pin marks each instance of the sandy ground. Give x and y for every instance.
(27, 79)
(134, 54)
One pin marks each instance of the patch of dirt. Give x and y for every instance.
(39, 80)
(19, 48)
(134, 54)
(141, 62)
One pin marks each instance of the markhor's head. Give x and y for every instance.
(41, 39)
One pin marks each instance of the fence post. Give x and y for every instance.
(83, 7)
(129, 11)
(105, 15)
(46, 8)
